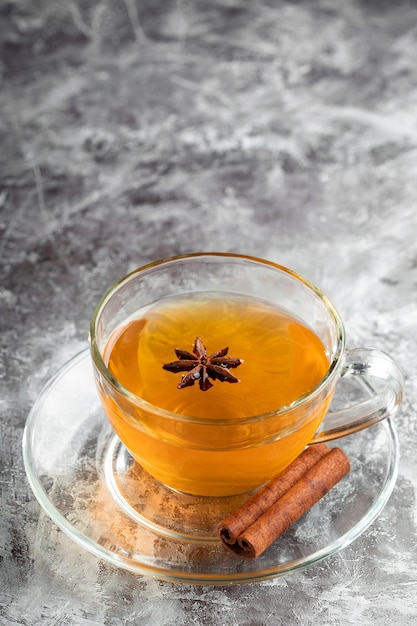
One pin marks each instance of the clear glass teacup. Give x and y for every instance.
(212, 432)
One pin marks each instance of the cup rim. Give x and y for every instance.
(149, 407)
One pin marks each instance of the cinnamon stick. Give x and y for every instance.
(233, 525)
(308, 490)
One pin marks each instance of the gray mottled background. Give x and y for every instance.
(137, 129)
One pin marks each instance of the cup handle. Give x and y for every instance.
(384, 383)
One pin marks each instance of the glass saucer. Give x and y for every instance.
(92, 489)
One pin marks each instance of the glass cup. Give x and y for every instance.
(220, 455)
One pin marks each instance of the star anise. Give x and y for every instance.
(201, 367)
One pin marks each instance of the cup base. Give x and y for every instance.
(158, 507)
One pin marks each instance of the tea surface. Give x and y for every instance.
(282, 358)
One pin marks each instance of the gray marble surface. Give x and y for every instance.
(137, 129)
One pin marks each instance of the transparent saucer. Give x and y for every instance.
(89, 485)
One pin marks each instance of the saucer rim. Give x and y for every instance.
(203, 578)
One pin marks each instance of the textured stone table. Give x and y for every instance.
(137, 129)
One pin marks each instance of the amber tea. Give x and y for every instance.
(273, 359)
